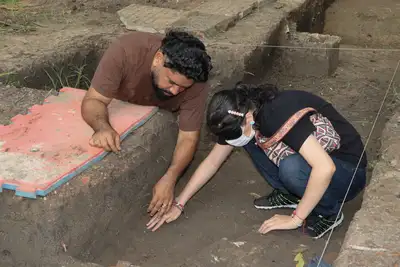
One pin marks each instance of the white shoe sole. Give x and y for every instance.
(338, 222)
(276, 207)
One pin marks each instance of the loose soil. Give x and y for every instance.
(223, 209)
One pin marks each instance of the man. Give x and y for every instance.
(147, 69)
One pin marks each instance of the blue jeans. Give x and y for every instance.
(293, 174)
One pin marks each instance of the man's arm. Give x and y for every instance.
(183, 154)
(95, 114)
(190, 123)
(105, 86)
(94, 110)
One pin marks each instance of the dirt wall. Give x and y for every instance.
(373, 238)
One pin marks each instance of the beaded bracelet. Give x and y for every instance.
(179, 206)
(295, 215)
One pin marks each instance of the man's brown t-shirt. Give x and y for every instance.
(124, 74)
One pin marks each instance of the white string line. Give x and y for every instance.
(302, 47)
(359, 161)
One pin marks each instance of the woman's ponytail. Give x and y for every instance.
(257, 95)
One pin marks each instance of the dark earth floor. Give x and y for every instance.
(223, 210)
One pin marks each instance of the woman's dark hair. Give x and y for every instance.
(187, 55)
(242, 98)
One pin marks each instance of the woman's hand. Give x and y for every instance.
(158, 220)
(279, 222)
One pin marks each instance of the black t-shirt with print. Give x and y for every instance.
(275, 113)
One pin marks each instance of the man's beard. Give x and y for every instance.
(160, 93)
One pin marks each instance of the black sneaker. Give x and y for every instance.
(277, 199)
(318, 225)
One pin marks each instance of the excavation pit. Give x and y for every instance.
(100, 216)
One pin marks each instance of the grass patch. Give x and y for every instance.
(5, 74)
(10, 78)
(71, 70)
(69, 76)
(9, 2)
(13, 18)
(65, 76)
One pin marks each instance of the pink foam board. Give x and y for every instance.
(45, 148)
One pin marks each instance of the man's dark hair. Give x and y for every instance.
(187, 55)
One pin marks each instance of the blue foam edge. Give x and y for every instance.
(43, 193)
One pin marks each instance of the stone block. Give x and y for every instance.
(83, 265)
(203, 25)
(125, 264)
(310, 54)
(147, 18)
(230, 8)
(207, 19)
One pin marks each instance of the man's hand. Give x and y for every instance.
(279, 222)
(108, 139)
(163, 191)
(157, 220)
(163, 194)
(95, 113)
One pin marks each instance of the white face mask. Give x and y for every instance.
(243, 139)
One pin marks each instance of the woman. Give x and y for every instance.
(299, 143)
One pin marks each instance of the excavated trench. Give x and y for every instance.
(113, 216)
(70, 70)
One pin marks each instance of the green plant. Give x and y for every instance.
(14, 17)
(11, 2)
(4, 74)
(70, 76)
(9, 78)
